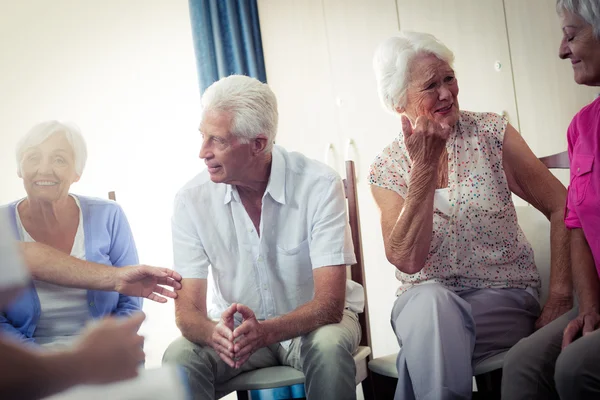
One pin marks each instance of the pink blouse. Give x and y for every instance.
(583, 200)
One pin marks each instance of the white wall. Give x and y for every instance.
(124, 71)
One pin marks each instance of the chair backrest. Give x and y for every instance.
(112, 196)
(559, 160)
(357, 270)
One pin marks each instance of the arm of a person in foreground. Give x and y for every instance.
(50, 265)
(529, 179)
(107, 352)
(587, 287)
(27, 374)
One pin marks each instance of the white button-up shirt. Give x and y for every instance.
(303, 227)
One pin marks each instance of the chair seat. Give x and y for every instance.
(386, 365)
(273, 377)
(490, 364)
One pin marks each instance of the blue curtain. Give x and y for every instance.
(227, 40)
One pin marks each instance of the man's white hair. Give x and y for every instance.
(588, 10)
(42, 131)
(251, 103)
(392, 61)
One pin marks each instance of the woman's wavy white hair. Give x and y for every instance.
(392, 60)
(42, 131)
(251, 103)
(588, 10)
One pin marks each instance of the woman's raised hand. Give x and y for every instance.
(425, 141)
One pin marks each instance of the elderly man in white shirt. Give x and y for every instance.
(265, 233)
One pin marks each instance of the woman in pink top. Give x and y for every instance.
(562, 360)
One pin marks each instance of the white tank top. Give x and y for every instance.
(64, 311)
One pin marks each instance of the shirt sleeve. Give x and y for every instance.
(12, 269)
(189, 256)
(9, 331)
(385, 171)
(330, 238)
(123, 252)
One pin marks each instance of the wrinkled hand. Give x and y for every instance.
(110, 350)
(426, 140)
(555, 306)
(248, 337)
(145, 281)
(584, 324)
(222, 336)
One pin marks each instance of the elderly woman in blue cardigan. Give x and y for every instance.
(54, 224)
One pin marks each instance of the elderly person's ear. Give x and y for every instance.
(259, 144)
(400, 110)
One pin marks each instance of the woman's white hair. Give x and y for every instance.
(42, 131)
(392, 60)
(588, 10)
(252, 104)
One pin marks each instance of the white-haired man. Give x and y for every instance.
(271, 227)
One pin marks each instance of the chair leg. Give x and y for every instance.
(242, 395)
(384, 387)
(367, 387)
(489, 385)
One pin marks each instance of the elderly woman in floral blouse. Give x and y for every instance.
(469, 285)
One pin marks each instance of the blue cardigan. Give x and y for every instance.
(108, 240)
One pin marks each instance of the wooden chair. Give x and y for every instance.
(280, 376)
(488, 373)
(558, 161)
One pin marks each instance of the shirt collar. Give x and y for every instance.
(275, 186)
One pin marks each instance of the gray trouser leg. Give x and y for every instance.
(325, 357)
(436, 334)
(502, 318)
(205, 370)
(443, 334)
(577, 372)
(528, 371)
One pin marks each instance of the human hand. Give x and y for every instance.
(110, 350)
(555, 306)
(585, 323)
(248, 337)
(145, 281)
(426, 140)
(222, 336)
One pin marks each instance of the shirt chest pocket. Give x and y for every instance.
(293, 262)
(581, 167)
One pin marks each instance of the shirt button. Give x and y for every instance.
(265, 286)
(91, 304)
(578, 169)
(259, 259)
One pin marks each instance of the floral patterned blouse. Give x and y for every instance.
(476, 242)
